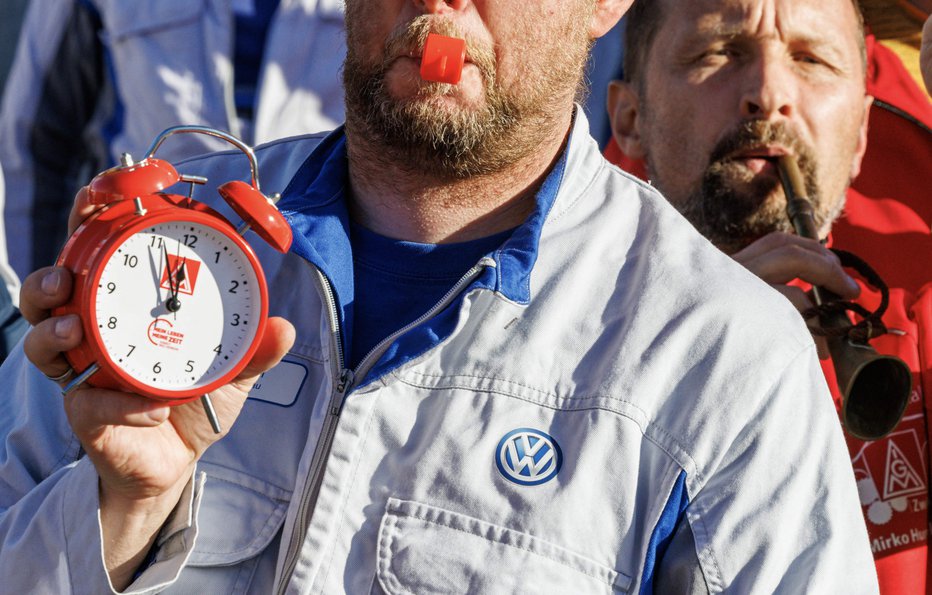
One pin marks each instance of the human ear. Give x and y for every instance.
(623, 106)
(862, 138)
(606, 14)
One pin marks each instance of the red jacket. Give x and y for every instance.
(888, 222)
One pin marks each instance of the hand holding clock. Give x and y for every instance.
(144, 451)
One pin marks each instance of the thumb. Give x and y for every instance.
(277, 339)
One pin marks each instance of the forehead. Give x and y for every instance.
(822, 21)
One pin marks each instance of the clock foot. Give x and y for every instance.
(79, 380)
(211, 414)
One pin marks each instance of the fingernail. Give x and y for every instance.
(51, 282)
(853, 285)
(65, 326)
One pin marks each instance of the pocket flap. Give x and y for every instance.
(238, 517)
(423, 549)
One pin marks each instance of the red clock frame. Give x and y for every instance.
(93, 244)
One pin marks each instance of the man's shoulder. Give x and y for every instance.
(638, 257)
(277, 161)
(672, 256)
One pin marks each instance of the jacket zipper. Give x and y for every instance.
(903, 114)
(376, 352)
(343, 386)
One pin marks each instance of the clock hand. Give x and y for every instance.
(172, 304)
(168, 270)
(156, 267)
(181, 275)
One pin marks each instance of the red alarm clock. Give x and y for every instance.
(172, 300)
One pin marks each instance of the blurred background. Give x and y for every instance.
(11, 15)
(898, 25)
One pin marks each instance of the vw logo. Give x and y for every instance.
(528, 457)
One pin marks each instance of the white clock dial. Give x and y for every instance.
(177, 305)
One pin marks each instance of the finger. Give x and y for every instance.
(46, 342)
(80, 210)
(43, 290)
(774, 241)
(90, 410)
(276, 341)
(791, 260)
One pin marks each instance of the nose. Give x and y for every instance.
(770, 89)
(440, 6)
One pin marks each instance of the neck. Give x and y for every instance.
(395, 200)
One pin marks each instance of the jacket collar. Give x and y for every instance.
(314, 203)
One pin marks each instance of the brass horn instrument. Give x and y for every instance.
(875, 388)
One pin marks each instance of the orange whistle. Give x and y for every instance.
(443, 58)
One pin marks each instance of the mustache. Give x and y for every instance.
(753, 134)
(731, 206)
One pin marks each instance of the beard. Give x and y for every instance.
(733, 206)
(453, 143)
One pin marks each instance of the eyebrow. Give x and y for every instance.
(726, 31)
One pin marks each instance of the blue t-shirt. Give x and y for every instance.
(396, 281)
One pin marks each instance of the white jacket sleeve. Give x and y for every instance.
(795, 526)
(50, 535)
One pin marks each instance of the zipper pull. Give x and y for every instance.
(345, 381)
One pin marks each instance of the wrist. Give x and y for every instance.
(130, 526)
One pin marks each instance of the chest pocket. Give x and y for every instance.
(423, 549)
(238, 517)
(239, 522)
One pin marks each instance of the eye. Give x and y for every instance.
(716, 54)
(808, 59)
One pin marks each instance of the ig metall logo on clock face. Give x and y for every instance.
(183, 274)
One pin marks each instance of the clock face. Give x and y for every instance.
(177, 305)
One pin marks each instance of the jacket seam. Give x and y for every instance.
(286, 493)
(698, 505)
(518, 547)
(348, 490)
(63, 524)
(717, 582)
(386, 560)
(647, 428)
(71, 455)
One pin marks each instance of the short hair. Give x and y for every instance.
(644, 18)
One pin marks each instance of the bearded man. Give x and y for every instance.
(503, 369)
(716, 92)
